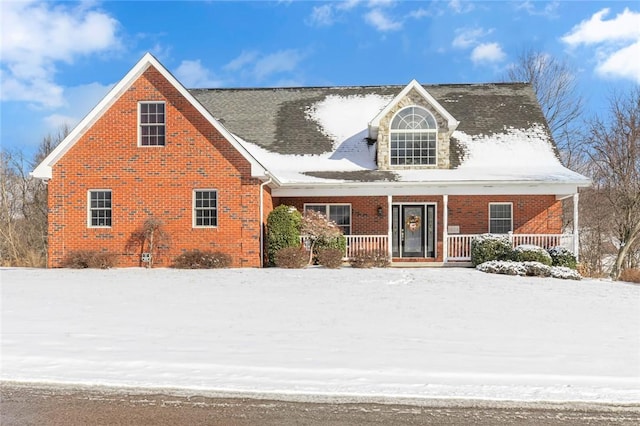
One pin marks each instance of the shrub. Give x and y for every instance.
(488, 247)
(561, 256)
(530, 269)
(531, 253)
(631, 275)
(196, 259)
(283, 230)
(82, 259)
(330, 257)
(291, 258)
(370, 259)
(339, 243)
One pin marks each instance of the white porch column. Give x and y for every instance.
(576, 239)
(445, 228)
(389, 225)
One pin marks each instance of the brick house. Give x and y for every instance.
(415, 170)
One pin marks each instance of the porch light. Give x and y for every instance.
(379, 211)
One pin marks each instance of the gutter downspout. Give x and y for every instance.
(262, 185)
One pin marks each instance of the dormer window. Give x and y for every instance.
(413, 135)
(152, 123)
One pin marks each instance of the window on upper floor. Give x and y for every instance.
(413, 136)
(152, 123)
(205, 208)
(500, 218)
(339, 213)
(99, 208)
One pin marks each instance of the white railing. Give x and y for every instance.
(459, 246)
(358, 243)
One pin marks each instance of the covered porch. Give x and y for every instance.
(459, 245)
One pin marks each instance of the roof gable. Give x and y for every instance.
(44, 169)
(413, 85)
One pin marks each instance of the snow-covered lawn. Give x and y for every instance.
(416, 333)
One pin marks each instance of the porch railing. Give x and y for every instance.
(358, 243)
(459, 246)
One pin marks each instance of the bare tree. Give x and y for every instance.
(555, 86)
(615, 162)
(23, 206)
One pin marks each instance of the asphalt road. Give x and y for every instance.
(52, 406)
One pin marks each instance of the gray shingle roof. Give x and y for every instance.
(275, 119)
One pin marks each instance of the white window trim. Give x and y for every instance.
(489, 214)
(304, 209)
(434, 131)
(89, 210)
(140, 124)
(193, 208)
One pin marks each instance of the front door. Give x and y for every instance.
(413, 230)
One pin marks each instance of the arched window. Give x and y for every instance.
(413, 137)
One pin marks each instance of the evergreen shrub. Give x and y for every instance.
(561, 256)
(196, 259)
(531, 253)
(488, 247)
(283, 230)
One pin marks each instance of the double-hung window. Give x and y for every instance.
(205, 208)
(500, 218)
(152, 121)
(413, 138)
(338, 213)
(99, 208)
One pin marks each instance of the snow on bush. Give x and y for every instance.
(561, 256)
(530, 269)
(488, 247)
(531, 253)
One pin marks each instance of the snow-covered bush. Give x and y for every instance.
(488, 247)
(505, 267)
(196, 259)
(529, 269)
(565, 273)
(531, 253)
(561, 256)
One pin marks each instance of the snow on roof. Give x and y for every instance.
(513, 155)
(341, 117)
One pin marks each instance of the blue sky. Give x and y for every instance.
(58, 59)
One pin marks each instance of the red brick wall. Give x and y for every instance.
(532, 214)
(154, 181)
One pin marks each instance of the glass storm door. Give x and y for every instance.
(413, 231)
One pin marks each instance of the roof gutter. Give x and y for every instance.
(261, 221)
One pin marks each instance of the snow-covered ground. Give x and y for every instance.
(414, 333)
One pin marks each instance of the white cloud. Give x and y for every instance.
(487, 52)
(617, 42)
(461, 7)
(37, 35)
(278, 62)
(623, 63)
(322, 15)
(381, 22)
(246, 57)
(549, 10)
(419, 13)
(381, 3)
(192, 74)
(467, 37)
